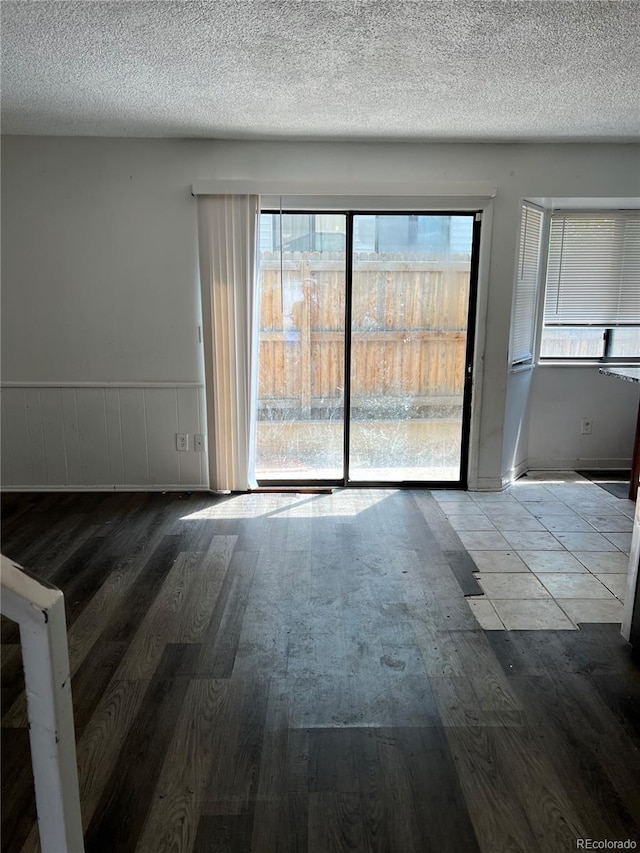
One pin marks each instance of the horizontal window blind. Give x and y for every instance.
(593, 270)
(524, 314)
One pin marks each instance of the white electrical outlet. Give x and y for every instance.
(198, 443)
(586, 425)
(182, 441)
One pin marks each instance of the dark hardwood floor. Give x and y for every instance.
(276, 673)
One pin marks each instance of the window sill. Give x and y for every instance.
(585, 363)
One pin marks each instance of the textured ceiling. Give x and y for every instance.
(324, 69)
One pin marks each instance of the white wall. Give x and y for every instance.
(560, 398)
(100, 267)
(515, 461)
(100, 306)
(99, 263)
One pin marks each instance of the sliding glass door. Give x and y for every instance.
(410, 308)
(365, 354)
(300, 419)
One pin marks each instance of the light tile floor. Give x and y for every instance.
(552, 551)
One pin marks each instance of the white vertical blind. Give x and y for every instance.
(228, 246)
(593, 272)
(524, 313)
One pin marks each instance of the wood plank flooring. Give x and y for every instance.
(289, 672)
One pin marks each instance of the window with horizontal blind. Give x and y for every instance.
(526, 289)
(592, 293)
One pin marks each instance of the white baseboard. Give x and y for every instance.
(486, 484)
(515, 473)
(579, 464)
(170, 487)
(564, 465)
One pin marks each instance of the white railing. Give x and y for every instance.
(38, 608)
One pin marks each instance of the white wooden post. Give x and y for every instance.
(631, 616)
(38, 608)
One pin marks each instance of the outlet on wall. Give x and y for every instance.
(586, 425)
(182, 441)
(198, 443)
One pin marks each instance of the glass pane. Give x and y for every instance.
(562, 342)
(300, 425)
(409, 333)
(625, 341)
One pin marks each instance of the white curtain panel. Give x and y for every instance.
(228, 236)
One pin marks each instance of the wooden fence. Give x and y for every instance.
(409, 320)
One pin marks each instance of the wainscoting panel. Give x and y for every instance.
(192, 413)
(53, 433)
(92, 432)
(134, 426)
(15, 444)
(95, 436)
